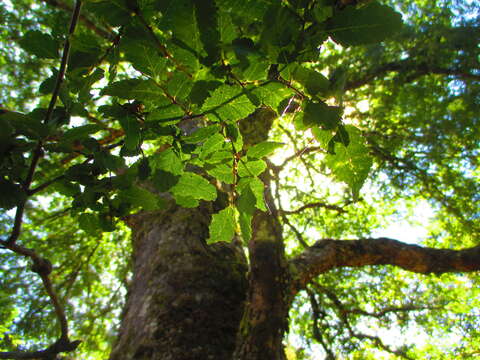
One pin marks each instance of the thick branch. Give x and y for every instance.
(328, 254)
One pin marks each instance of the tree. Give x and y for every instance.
(229, 137)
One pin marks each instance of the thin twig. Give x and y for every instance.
(42, 266)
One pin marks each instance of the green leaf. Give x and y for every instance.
(67, 188)
(365, 25)
(138, 89)
(80, 132)
(40, 44)
(144, 56)
(165, 112)
(228, 103)
(351, 164)
(233, 133)
(281, 28)
(137, 196)
(263, 149)
(186, 201)
(272, 94)
(195, 186)
(321, 114)
(89, 223)
(212, 144)
(313, 81)
(206, 14)
(246, 208)
(144, 169)
(251, 168)
(115, 12)
(222, 227)
(257, 188)
(202, 134)
(109, 161)
(179, 19)
(11, 194)
(167, 160)
(131, 126)
(179, 86)
(218, 156)
(222, 172)
(29, 125)
(164, 180)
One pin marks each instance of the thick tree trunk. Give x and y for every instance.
(186, 298)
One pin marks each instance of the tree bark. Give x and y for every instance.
(186, 298)
(192, 301)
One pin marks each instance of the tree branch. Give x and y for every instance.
(89, 23)
(412, 69)
(328, 254)
(316, 205)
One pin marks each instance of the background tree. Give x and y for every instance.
(212, 128)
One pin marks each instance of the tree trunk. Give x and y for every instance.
(186, 298)
(192, 301)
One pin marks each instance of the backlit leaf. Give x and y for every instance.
(222, 227)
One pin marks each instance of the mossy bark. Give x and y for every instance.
(186, 298)
(190, 301)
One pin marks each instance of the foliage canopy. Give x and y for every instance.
(129, 104)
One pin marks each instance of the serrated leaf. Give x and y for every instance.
(89, 223)
(351, 164)
(131, 126)
(164, 180)
(138, 89)
(212, 144)
(80, 132)
(233, 133)
(228, 103)
(218, 156)
(251, 168)
(263, 149)
(321, 114)
(313, 81)
(179, 19)
(222, 227)
(194, 186)
(179, 86)
(186, 201)
(67, 188)
(257, 188)
(222, 172)
(365, 25)
(29, 125)
(40, 44)
(144, 57)
(109, 161)
(11, 194)
(115, 12)
(206, 14)
(272, 94)
(143, 198)
(144, 169)
(202, 134)
(165, 112)
(281, 28)
(167, 160)
(245, 217)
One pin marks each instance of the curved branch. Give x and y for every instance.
(328, 254)
(316, 205)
